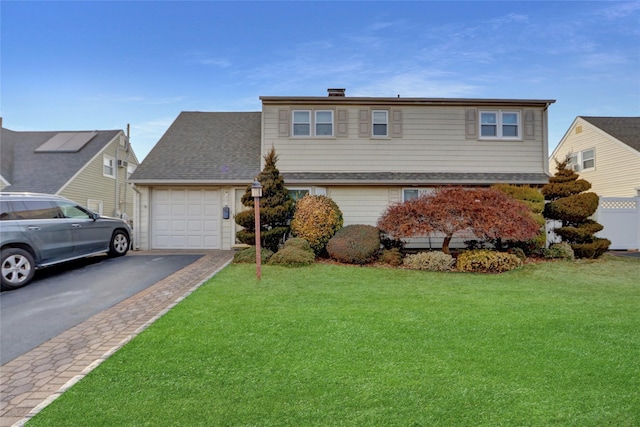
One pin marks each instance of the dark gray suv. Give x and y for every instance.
(39, 230)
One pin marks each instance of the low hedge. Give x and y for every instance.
(486, 261)
(391, 256)
(296, 253)
(248, 255)
(431, 261)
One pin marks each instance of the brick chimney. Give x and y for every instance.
(336, 92)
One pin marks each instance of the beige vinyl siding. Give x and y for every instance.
(142, 221)
(360, 205)
(617, 166)
(433, 140)
(90, 183)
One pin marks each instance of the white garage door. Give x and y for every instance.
(185, 219)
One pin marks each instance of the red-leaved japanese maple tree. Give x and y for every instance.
(483, 213)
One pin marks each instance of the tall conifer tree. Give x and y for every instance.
(572, 205)
(276, 208)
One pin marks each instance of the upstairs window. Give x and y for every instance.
(582, 161)
(312, 123)
(302, 123)
(500, 125)
(588, 159)
(324, 123)
(380, 120)
(108, 168)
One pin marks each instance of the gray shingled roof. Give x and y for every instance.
(624, 129)
(426, 178)
(201, 147)
(43, 172)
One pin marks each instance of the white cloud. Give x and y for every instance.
(615, 10)
(203, 58)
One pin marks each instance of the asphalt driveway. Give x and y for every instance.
(64, 296)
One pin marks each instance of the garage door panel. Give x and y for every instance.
(185, 219)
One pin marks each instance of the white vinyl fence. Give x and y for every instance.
(620, 217)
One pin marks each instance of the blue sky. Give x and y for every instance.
(81, 65)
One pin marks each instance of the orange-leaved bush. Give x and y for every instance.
(316, 219)
(483, 213)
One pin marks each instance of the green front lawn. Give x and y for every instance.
(327, 345)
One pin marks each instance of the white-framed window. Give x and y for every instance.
(414, 193)
(500, 125)
(584, 160)
(324, 123)
(317, 123)
(298, 193)
(109, 166)
(301, 123)
(380, 123)
(588, 159)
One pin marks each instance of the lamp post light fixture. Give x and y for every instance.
(256, 193)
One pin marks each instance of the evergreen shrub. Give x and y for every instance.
(292, 256)
(297, 242)
(593, 249)
(248, 255)
(486, 261)
(295, 253)
(276, 208)
(391, 256)
(560, 250)
(355, 244)
(431, 261)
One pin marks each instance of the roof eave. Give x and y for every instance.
(200, 182)
(302, 100)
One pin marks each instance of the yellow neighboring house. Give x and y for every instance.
(606, 152)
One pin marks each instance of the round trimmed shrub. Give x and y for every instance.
(486, 261)
(316, 219)
(292, 256)
(560, 250)
(248, 255)
(355, 244)
(431, 261)
(391, 256)
(297, 242)
(591, 250)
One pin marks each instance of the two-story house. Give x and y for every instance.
(605, 151)
(89, 167)
(363, 152)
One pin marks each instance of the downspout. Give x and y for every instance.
(545, 140)
(116, 209)
(136, 218)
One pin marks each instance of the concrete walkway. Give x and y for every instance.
(30, 382)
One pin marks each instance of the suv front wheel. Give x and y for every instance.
(17, 267)
(119, 243)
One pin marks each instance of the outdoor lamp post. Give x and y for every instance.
(256, 193)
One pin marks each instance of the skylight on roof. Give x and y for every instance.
(66, 142)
